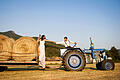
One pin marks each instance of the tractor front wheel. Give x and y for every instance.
(106, 65)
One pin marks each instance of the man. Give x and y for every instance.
(91, 48)
(66, 42)
(91, 44)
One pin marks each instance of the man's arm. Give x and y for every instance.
(60, 43)
(73, 42)
(91, 43)
(90, 40)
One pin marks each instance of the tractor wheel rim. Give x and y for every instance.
(74, 61)
(108, 66)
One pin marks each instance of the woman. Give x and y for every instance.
(41, 50)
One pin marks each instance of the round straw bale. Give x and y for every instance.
(12, 40)
(24, 49)
(5, 48)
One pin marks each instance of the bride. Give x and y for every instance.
(41, 51)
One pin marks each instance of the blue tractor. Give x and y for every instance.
(75, 59)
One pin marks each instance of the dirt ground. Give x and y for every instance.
(56, 73)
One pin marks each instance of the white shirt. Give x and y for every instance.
(65, 43)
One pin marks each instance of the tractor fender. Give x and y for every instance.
(68, 50)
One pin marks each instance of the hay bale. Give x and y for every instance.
(12, 40)
(5, 48)
(24, 49)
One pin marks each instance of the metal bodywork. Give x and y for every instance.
(64, 51)
(97, 54)
(92, 51)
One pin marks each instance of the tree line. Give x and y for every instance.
(114, 54)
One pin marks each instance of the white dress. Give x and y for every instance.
(42, 54)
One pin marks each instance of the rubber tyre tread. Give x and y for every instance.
(107, 60)
(70, 53)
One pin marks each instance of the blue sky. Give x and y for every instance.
(77, 19)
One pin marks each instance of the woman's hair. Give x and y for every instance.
(42, 37)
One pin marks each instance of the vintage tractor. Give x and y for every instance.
(74, 59)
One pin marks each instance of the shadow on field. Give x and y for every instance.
(30, 68)
(50, 69)
(61, 68)
(20, 69)
(91, 68)
(23, 69)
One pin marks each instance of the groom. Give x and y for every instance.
(66, 42)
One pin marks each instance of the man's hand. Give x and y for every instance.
(75, 43)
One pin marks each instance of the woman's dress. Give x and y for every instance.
(42, 54)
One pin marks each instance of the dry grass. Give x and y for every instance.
(56, 73)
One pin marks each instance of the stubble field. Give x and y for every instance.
(57, 73)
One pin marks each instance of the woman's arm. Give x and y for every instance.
(38, 38)
(51, 41)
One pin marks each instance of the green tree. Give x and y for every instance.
(53, 50)
(114, 54)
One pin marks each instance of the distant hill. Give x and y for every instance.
(52, 50)
(11, 34)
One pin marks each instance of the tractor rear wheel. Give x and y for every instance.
(74, 61)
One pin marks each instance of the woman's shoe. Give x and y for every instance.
(41, 68)
(37, 61)
(47, 67)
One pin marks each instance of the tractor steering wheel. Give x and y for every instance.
(74, 45)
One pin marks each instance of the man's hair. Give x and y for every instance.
(65, 38)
